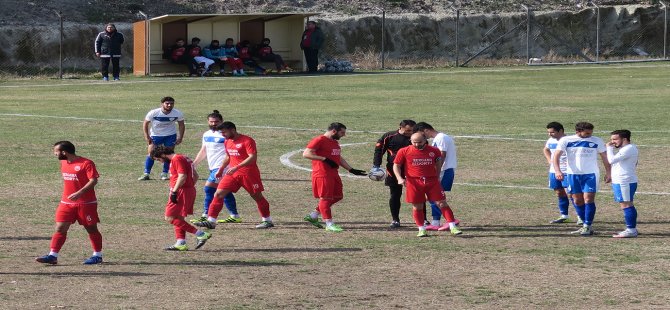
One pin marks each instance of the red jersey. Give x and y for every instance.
(244, 53)
(75, 176)
(265, 50)
(418, 163)
(238, 150)
(180, 164)
(178, 52)
(326, 147)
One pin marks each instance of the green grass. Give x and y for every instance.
(508, 257)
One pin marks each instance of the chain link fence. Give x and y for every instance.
(381, 41)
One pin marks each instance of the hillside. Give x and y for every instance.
(42, 12)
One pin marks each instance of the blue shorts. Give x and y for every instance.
(582, 183)
(447, 179)
(556, 184)
(164, 140)
(212, 176)
(624, 192)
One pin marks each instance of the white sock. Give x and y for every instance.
(314, 215)
(204, 215)
(329, 222)
(235, 216)
(267, 219)
(422, 228)
(52, 253)
(197, 233)
(98, 254)
(211, 219)
(180, 242)
(564, 216)
(242, 71)
(452, 225)
(435, 222)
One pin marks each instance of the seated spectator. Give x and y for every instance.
(178, 54)
(215, 53)
(245, 54)
(195, 51)
(231, 57)
(265, 54)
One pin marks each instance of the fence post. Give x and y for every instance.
(665, 28)
(527, 33)
(147, 48)
(458, 32)
(383, 55)
(60, 45)
(597, 30)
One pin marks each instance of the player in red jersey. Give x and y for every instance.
(182, 196)
(242, 172)
(421, 164)
(324, 151)
(78, 203)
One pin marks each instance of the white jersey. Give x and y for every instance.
(582, 153)
(623, 164)
(563, 161)
(163, 125)
(213, 141)
(446, 144)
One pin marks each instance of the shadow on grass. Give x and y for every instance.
(294, 250)
(349, 226)
(82, 273)
(230, 263)
(25, 238)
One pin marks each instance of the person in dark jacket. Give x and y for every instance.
(390, 143)
(108, 47)
(311, 42)
(265, 54)
(179, 53)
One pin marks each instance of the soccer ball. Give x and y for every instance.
(377, 174)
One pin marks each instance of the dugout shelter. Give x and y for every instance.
(152, 36)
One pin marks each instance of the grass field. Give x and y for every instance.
(509, 257)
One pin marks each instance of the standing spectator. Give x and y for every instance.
(324, 151)
(390, 143)
(159, 129)
(311, 42)
(245, 54)
(232, 57)
(179, 54)
(265, 54)
(182, 196)
(556, 133)
(78, 203)
(242, 172)
(214, 150)
(421, 164)
(202, 63)
(582, 150)
(108, 47)
(447, 148)
(624, 178)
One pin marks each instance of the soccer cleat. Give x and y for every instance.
(334, 228)
(312, 221)
(230, 219)
(199, 219)
(93, 260)
(626, 234)
(587, 231)
(116, 78)
(144, 177)
(175, 247)
(422, 233)
(394, 224)
(47, 259)
(560, 220)
(203, 239)
(104, 78)
(205, 224)
(455, 231)
(433, 227)
(265, 224)
(580, 221)
(165, 176)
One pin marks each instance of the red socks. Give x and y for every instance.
(57, 241)
(215, 207)
(419, 217)
(184, 226)
(263, 207)
(96, 241)
(448, 214)
(324, 209)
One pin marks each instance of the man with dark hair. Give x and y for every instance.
(311, 42)
(78, 203)
(241, 171)
(624, 178)
(159, 129)
(582, 171)
(181, 198)
(325, 153)
(200, 62)
(179, 54)
(556, 132)
(108, 47)
(421, 164)
(389, 144)
(214, 150)
(447, 148)
(265, 53)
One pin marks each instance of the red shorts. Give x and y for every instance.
(419, 188)
(84, 213)
(251, 182)
(327, 187)
(184, 205)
